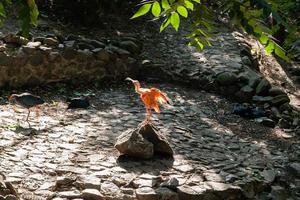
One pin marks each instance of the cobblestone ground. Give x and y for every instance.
(66, 152)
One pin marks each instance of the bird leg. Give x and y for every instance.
(147, 119)
(28, 115)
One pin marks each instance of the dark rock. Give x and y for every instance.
(274, 91)
(242, 110)
(130, 46)
(283, 123)
(102, 54)
(97, 44)
(51, 42)
(146, 193)
(15, 39)
(166, 194)
(226, 78)
(143, 142)
(247, 61)
(263, 87)
(82, 46)
(266, 121)
(262, 99)
(280, 99)
(285, 107)
(118, 50)
(172, 183)
(294, 168)
(70, 44)
(245, 93)
(79, 102)
(278, 193)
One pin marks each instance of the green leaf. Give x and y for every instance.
(34, 12)
(270, 47)
(189, 5)
(264, 39)
(156, 10)
(182, 11)
(142, 11)
(2, 10)
(175, 20)
(165, 4)
(198, 1)
(280, 52)
(164, 24)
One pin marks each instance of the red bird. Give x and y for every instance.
(150, 97)
(26, 100)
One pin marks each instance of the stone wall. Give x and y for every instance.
(55, 58)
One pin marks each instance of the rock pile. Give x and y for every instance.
(54, 58)
(143, 142)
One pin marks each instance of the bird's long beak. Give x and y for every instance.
(129, 79)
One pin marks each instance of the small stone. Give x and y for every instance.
(146, 193)
(274, 91)
(269, 175)
(263, 87)
(69, 194)
(191, 192)
(166, 194)
(92, 194)
(130, 46)
(278, 193)
(294, 168)
(15, 39)
(226, 78)
(283, 123)
(51, 41)
(33, 44)
(266, 121)
(83, 46)
(280, 99)
(172, 183)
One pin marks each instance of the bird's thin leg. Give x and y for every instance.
(28, 115)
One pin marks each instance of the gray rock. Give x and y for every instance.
(92, 194)
(166, 194)
(226, 191)
(283, 123)
(172, 183)
(70, 44)
(15, 39)
(130, 46)
(274, 91)
(192, 192)
(280, 99)
(278, 193)
(117, 50)
(263, 87)
(266, 121)
(226, 78)
(82, 46)
(245, 93)
(133, 144)
(146, 193)
(51, 42)
(97, 44)
(160, 143)
(247, 61)
(262, 99)
(269, 175)
(294, 168)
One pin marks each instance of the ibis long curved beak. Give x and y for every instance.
(129, 79)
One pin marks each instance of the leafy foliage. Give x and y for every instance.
(28, 13)
(252, 15)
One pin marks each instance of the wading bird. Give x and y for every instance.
(150, 97)
(26, 100)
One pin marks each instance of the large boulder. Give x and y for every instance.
(143, 142)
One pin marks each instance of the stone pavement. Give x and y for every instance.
(71, 155)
